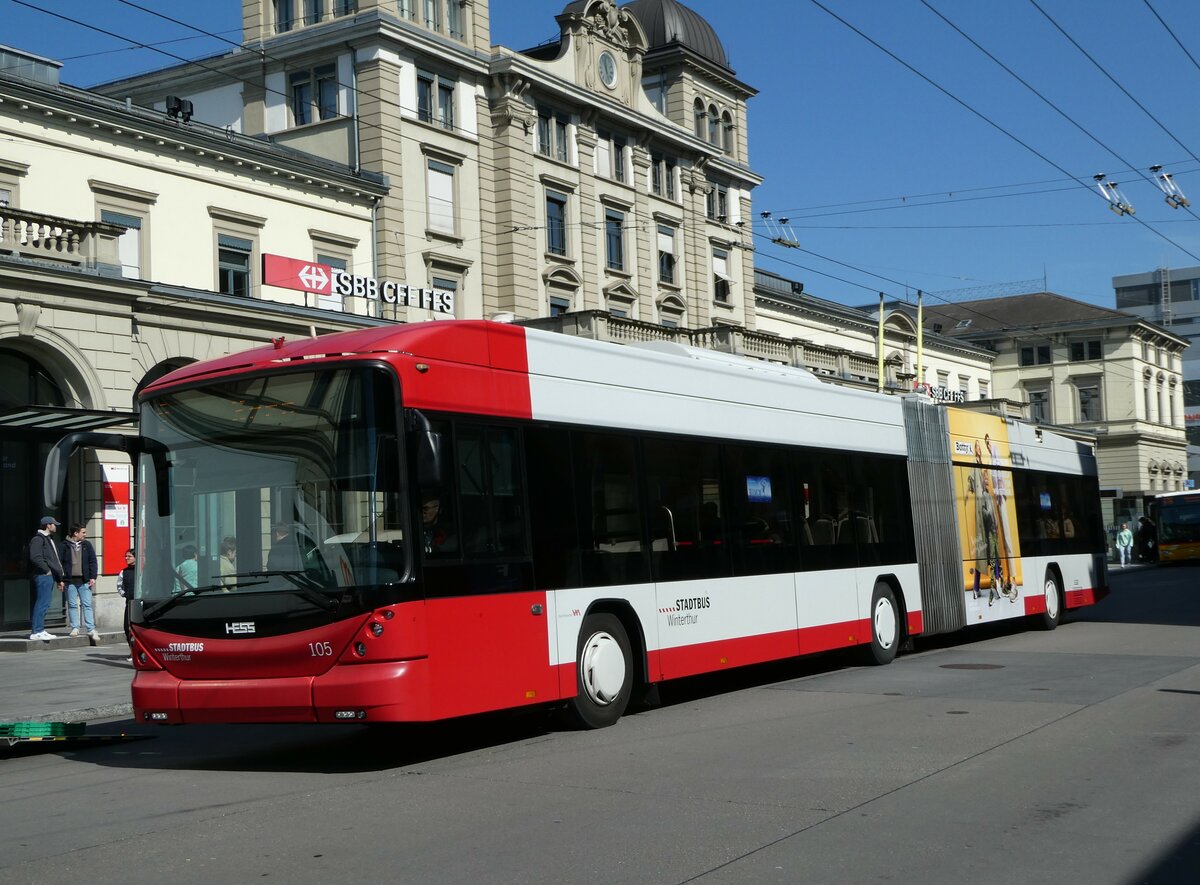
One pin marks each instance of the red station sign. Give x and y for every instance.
(309, 276)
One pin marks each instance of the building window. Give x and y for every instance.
(610, 157)
(656, 91)
(314, 94)
(445, 284)
(666, 254)
(1089, 401)
(1162, 403)
(1085, 350)
(714, 126)
(722, 286)
(614, 239)
(432, 14)
(552, 136)
(439, 179)
(556, 223)
(129, 245)
(345, 7)
(943, 380)
(1039, 406)
(314, 11)
(716, 205)
(1035, 355)
(233, 265)
(700, 115)
(285, 15)
(435, 99)
(727, 132)
(983, 389)
(454, 19)
(662, 176)
(963, 385)
(406, 9)
(559, 305)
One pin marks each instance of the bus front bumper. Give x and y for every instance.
(393, 691)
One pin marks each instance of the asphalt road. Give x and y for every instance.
(997, 756)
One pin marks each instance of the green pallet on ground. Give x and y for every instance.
(41, 729)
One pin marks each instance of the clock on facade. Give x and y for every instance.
(608, 69)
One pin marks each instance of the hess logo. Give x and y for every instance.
(239, 627)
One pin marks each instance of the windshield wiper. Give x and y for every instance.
(161, 606)
(306, 587)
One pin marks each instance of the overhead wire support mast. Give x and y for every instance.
(1117, 201)
(1172, 192)
(780, 231)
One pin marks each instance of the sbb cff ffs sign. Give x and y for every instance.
(308, 276)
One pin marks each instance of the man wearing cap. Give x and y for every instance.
(47, 573)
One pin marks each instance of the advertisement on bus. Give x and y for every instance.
(987, 513)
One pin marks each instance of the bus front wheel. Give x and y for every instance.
(604, 672)
(1049, 619)
(885, 626)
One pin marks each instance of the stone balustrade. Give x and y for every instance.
(87, 244)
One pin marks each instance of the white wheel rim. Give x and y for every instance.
(1051, 599)
(602, 668)
(885, 623)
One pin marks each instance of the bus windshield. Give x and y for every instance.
(287, 485)
(1179, 520)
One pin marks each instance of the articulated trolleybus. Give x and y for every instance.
(411, 523)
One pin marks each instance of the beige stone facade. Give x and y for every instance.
(606, 171)
(130, 244)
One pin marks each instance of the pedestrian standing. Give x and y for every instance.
(46, 564)
(81, 569)
(1125, 544)
(125, 587)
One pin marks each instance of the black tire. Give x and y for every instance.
(886, 632)
(1052, 616)
(603, 672)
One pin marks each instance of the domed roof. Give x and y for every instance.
(668, 21)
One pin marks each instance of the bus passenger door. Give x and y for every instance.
(488, 635)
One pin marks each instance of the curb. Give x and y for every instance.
(111, 711)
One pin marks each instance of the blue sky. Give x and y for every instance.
(875, 167)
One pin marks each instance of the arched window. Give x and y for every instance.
(714, 126)
(700, 115)
(25, 381)
(727, 132)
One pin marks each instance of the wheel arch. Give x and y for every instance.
(624, 612)
(893, 583)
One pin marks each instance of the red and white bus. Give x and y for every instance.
(417, 522)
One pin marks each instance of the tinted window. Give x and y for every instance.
(760, 528)
(826, 530)
(685, 512)
(612, 540)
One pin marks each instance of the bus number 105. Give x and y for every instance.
(320, 649)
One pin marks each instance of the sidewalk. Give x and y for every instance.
(76, 684)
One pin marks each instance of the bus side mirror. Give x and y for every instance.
(428, 450)
(54, 479)
(429, 459)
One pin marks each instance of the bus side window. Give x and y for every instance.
(611, 534)
(761, 523)
(490, 492)
(823, 499)
(687, 518)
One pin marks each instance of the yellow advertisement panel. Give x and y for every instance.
(987, 514)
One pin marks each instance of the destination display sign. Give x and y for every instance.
(334, 283)
(941, 394)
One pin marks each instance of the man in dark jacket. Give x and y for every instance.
(80, 569)
(46, 564)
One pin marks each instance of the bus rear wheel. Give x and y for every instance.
(1050, 618)
(604, 672)
(885, 626)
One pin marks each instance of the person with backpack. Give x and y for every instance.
(81, 570)
(47, 567)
